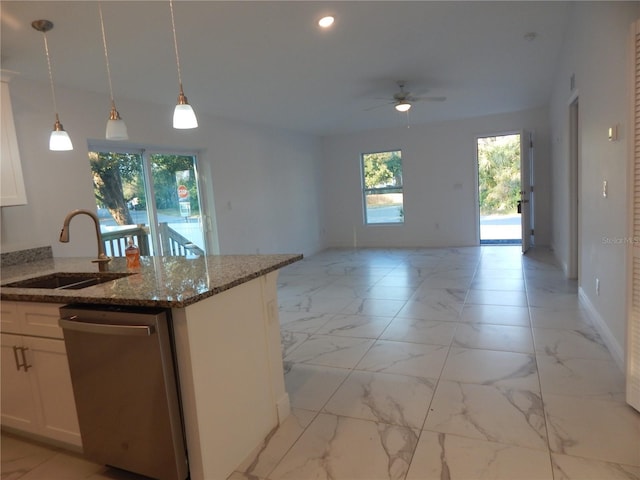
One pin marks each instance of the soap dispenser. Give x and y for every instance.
(132, 253)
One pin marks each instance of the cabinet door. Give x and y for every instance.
(12, 191)
(18, 402)
(57, 408)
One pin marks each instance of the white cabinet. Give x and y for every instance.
(37, 395)
(18, 401)
(31, 318)
(12, 191)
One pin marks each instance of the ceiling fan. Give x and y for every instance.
(403, 100)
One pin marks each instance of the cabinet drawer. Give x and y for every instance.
(40, 319)
(31, 318)
(9, 321)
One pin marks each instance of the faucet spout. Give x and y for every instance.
(102, 259)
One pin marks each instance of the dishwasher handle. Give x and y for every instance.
(71, 323)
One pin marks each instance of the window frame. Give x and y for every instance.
(366, 190)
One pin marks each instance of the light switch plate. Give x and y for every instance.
(604, 188)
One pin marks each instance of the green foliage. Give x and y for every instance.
(499, 174)
(382, 169)
(114, 177)
(118, 180)
(165, 184)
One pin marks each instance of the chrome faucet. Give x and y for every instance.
(102, 259)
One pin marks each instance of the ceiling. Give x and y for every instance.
(268, 62)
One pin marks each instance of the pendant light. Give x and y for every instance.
(183, 116)
(59, 139)
(116, 128)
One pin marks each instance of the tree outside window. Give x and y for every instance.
(383, 187)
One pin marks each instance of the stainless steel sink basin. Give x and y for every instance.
(67, 280)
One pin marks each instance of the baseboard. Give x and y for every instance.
(616, 350)
(34, 437)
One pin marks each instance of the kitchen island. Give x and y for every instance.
(227, 341)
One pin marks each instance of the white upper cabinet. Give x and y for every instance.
(12, 190)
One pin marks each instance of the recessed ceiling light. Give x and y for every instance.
(326, 22)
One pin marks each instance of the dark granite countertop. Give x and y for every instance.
(168, 282)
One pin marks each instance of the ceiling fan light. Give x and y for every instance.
(326, 22)
(403, 106)
(59, 139)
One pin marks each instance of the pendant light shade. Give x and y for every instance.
(183, 115)
(59, 139)
(116, 128)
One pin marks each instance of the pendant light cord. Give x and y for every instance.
(106, 54)
(175, 44)
(53, 92)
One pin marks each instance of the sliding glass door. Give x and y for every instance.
(152, 198)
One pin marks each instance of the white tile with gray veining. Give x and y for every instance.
(581, 377)
(419, 364)
(310, 386)
(331, 351)
(444, 456)
(570, 318)
(581, 342)
(489, 367)
(496, 315)
(404, 358)
(362, 326)
(494, 337)
(335, 447)
(413, 330)
(267, 455)
(606, 430)
(443, 312)
(566, 467)
(488, 412)
(383, 397)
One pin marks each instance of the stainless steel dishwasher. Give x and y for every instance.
(125, 388)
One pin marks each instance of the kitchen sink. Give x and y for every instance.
(67, 280)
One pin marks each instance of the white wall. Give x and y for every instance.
(596, 51)
(267, 183)
(440, 181)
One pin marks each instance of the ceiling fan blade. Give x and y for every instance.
(428, 99)
(378, 106)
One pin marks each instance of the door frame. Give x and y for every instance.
(526, 189)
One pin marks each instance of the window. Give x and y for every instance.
(382, 187)
(150, 197)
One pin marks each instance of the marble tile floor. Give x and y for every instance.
(454, 363)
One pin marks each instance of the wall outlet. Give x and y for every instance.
(597, 286)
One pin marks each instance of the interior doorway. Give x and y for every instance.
(499, 189)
